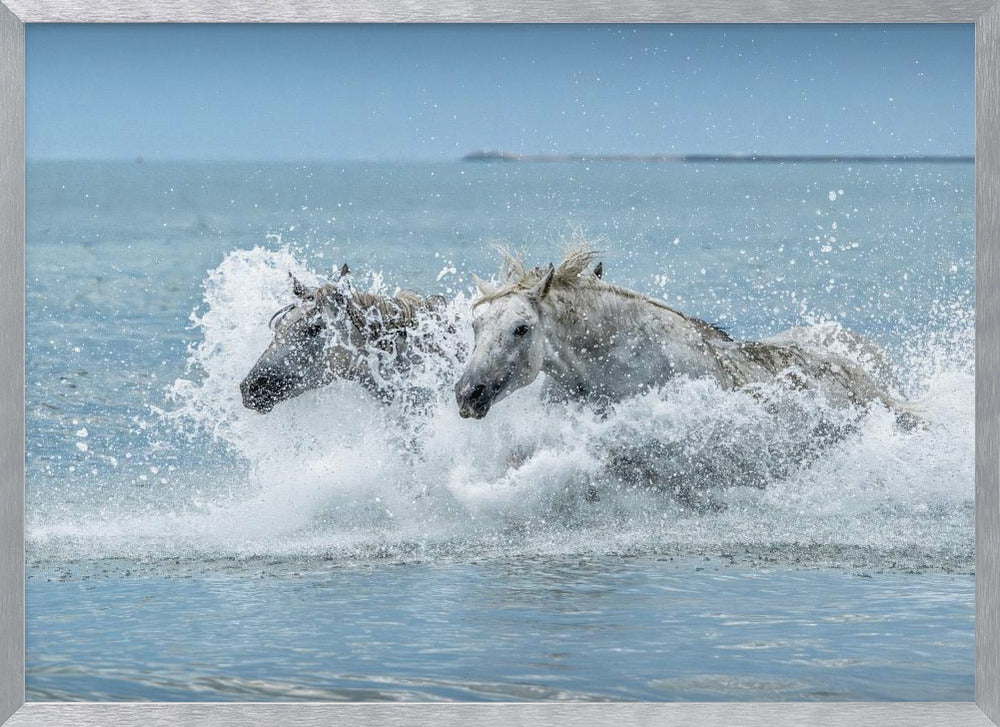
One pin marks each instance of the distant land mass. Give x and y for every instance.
(503, 156)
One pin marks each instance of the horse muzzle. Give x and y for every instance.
(262, 392)
(474, 401)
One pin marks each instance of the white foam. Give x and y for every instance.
(331, 473)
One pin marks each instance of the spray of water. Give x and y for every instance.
(691, 468)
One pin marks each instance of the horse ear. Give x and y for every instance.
(599, 270)
(298, 289)
(344, 271)
(482, 286)
(540, 290)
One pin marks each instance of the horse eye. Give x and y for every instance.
(521, 330)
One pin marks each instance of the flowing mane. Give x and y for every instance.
(568, 275)
(400, 310)
(518, 277)
(396, 311)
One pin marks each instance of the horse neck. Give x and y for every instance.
(593, 323)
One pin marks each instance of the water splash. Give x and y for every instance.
(690, 468)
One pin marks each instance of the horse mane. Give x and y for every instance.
(519, 278)
(568, 276)
(396, 311)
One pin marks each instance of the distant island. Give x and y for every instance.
(503, 156)
(491, 156)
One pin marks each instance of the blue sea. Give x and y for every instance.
(182, 547)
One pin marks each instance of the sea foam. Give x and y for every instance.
(686, 469)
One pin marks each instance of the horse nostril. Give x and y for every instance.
(251, 390)
(261, 392)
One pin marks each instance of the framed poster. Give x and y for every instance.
(711, 406)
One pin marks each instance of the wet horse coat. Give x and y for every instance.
(601, 342)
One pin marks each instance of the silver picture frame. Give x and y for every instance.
(14, 712)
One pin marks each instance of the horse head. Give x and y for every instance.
(509, 347)
(315, 341)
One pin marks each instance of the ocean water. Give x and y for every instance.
(181, 547)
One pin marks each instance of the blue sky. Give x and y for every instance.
(312, 92)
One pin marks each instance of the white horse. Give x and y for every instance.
(336, 332)
(603, 343)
